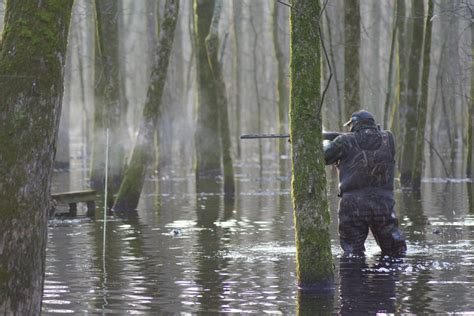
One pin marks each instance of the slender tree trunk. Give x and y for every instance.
(398, 125)
(282, 82)
(470, 126)
(388, 97)
(237, 19)
(61, 159)
(256, 82)
(212, 47)
(32, 60)
(314, 265)
(373, 98)
(413, 93)
(83, 45)
(2, 16)
(208, 150)
(109, 111)
(340, 116)
(423, 104)
(352, 56)
(132, 184)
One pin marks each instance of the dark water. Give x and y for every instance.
(188, 252)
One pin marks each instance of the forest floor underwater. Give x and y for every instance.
(195, 252)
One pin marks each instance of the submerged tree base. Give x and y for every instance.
(323, 287)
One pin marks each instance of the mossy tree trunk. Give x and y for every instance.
(142, 157)
(397, 123)
(352, 56)
(212, 47)
(109, 110)
(423, 103)
(207, 142)
(314, 264)
(32, 61)
(413, 93)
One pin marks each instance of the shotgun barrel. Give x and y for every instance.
(326, 136)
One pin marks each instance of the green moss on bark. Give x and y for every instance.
(31, 80)
(413, 92)
(423, 105)
(311, 214)
(208, 148)
(110, 108)
(132, 184)
(352, 56)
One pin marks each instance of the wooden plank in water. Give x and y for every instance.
(73, 197)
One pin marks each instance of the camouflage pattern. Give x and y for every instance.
(365, 160)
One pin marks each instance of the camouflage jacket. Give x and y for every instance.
(364, 157)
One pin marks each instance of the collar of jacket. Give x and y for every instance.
(359, 127)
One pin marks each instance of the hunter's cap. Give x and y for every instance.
(361, 116)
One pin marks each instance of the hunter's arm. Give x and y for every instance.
(334, 150)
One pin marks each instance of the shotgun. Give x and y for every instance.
(326, 136)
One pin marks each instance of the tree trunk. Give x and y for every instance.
(282, 81)
(423, 104)
(351, 56)
(340, 119)
(109, 111)
(237, 19)
(413, 92)
(132, 184)
(388, 97)
(314, 265)
(397, 123)
(61, 159)
(258, 117)
(208, 150)
(470, 125)
(2, 16)
(212, 48)
(31, 80)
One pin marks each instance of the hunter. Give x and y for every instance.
(365, 159)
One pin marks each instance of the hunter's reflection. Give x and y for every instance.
(367, 289)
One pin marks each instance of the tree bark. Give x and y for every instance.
(237, 19)
(61, 159)
(132, 184)
(282, 81)
(255, 12)
(470, 125)
(413, 93)
(388, 97)
(314, 265)
(423, 104)
(212, 48)
(352, 56)
(208, 148)
(398, 123)
(340, 118)
(32, 61)
(109, 110)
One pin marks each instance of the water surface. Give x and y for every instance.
(194, 251)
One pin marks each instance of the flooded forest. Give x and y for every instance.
(126, 188)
